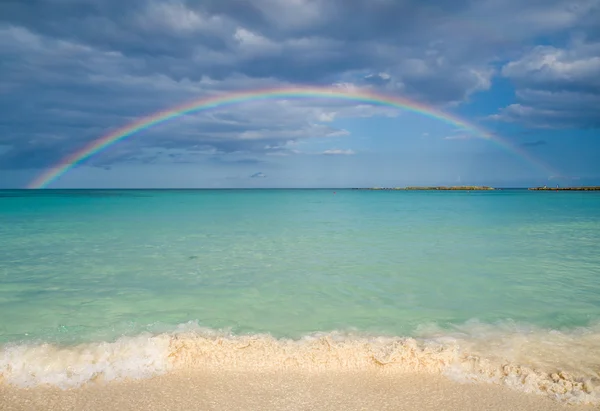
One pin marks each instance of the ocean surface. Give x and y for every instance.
(500, 287)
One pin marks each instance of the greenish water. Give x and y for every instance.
(95, 265)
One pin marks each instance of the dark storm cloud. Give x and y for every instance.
(73, 70)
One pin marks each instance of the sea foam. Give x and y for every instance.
(564, 366)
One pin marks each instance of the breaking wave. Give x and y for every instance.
(562, 365)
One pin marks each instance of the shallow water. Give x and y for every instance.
(489, 269)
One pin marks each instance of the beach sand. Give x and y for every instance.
(230, 390)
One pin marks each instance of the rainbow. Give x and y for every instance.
(362, 96)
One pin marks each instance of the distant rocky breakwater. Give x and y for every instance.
(589, 188)
(440, 188)
(476, 188)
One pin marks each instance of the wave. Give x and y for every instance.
(562, 365)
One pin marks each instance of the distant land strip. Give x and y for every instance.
(469, 188)
(589, 188)
(479, 188)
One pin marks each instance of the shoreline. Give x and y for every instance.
(559, 367)
(234, 390)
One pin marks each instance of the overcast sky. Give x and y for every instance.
(527, 71)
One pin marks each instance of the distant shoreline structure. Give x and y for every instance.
(476, 188)
(440, 188)
(545, 188)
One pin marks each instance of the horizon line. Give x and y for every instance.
(381, 188)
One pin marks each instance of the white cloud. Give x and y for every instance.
(338, 152)
(555, 87)
(578, 65)
(326, 117)
(459, 137)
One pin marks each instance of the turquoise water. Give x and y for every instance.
(512, 274)
(89, 265)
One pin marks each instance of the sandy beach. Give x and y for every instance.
(279, 391)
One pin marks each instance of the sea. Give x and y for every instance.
(499, 287)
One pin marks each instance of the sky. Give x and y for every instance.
(528, 73)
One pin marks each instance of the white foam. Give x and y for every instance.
(129, 357)
(561, 365)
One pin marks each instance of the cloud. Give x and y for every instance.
(232, 160)
(338, 152)
(574, 68)
(555, 87)
(536, 143)
(83, 69)
(547, 109)
(459, 136)
(258, 175)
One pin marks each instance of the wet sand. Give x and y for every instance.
(229, 390)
